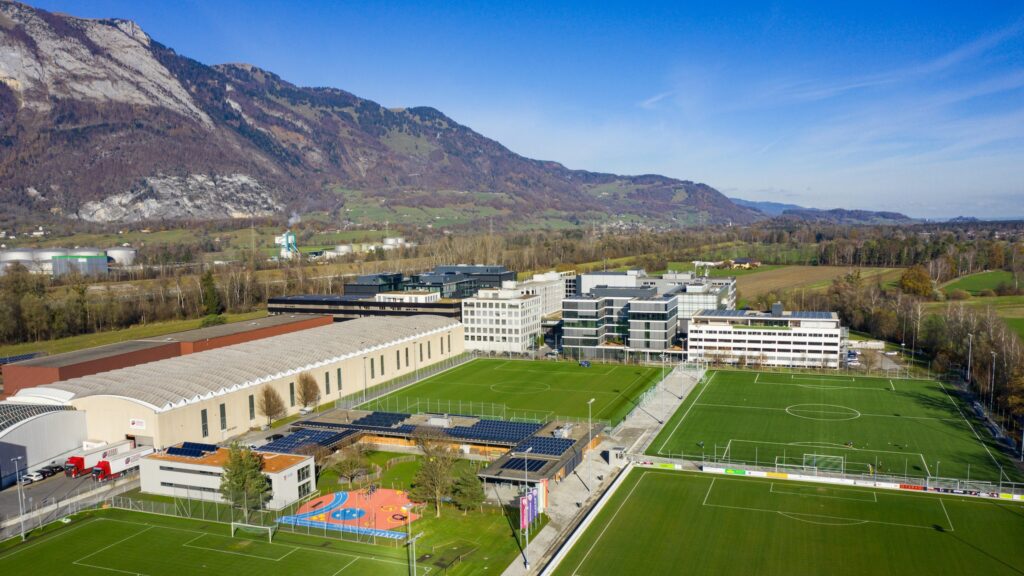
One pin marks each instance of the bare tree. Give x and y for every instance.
(309, 391)
(269, 403)
(349, 461)
(434, 481)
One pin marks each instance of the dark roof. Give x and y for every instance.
(197, 335)
(89, 354)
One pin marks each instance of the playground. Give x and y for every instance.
(378, 512)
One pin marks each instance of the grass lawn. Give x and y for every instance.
(153, 544)
(529, 388)
(118, 541)
(900, 427)
(150, 330)
(975, 284)
(661, 522)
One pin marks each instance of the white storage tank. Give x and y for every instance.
(44, 258)
(84, 251)
(10, 263)
(123, 255)
(17, 254)
(342, 249)
(395, 241)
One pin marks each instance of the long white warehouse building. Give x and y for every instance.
(213, 395)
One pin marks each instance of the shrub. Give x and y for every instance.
(987, 293)
(959, 295)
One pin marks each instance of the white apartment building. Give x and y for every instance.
(501, 320)
(776, 338)
(411, 296)
(291, 476)
(551, 287)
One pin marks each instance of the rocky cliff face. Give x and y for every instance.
(106, 124)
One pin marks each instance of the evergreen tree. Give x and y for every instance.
(211, 298)
(468, 491)
(243, 484)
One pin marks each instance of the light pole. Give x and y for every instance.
(21, 499)
(590, 430)
(992, 383)
(970, 355)
(526, 468)
(412, 548)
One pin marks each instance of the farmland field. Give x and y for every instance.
(811, 278)
(861, 425)
(539, 388)
(692, 523)
(975, 284)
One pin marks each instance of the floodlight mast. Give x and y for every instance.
(526, 467)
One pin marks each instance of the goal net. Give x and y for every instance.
(243, 530)
(826, 462)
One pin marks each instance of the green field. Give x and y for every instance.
(724, 272)
(538, 388)
(911, 428)
(975, 284)
(661, 522)
(118, 541)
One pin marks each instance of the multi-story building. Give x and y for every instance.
(775, 338)
(501, 320)
(551, 287)
(623, 313)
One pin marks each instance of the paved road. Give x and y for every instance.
(41, 493)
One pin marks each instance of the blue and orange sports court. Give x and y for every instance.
(377, 512)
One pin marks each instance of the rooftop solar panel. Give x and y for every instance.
(523, 463)
(545, 445)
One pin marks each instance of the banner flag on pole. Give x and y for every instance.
(523, 511)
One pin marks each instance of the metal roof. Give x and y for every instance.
(798, 315)
(13, 413)
(175, 382)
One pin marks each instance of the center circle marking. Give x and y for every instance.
(823, 412)
(521, 388)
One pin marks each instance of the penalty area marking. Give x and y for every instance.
(874, 496)
(524, 388)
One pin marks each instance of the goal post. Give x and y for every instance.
(825, 462)
(253, 530)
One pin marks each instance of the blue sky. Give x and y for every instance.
(914, 107)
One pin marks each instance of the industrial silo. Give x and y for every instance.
(122, 255)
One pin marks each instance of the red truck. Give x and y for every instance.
(116, 466)
(82, 464)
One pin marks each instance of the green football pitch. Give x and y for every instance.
(911, 428)
(106, 542)
(540, 389)
(662, 522)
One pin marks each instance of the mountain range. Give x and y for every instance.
(100, 122)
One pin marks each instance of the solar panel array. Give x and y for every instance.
(291, 443)
(530, 465)
(724, 313)
(199, 446)
(812, 315)
(186, 452)
(545, 445)
(381, 419)
(495, 431)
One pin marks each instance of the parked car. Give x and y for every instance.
(854, 363)
(54, 468)
(31, 477)
(45, 472)
(891, 353)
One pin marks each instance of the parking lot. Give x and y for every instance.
(53, 489)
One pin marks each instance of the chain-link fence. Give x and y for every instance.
(395, 384)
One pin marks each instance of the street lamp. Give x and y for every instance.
(992, 384)
(21, 503)
(526, 468)
(590, 429)
(970, 355)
